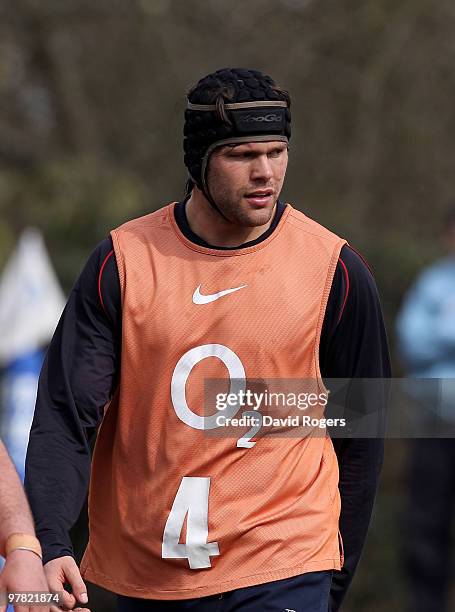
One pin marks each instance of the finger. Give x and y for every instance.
(78, 587)
(67, 601)
(58, 609)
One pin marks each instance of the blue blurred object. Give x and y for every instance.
(31, 301)
(426, 332)
(19, 385)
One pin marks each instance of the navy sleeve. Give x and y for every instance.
(77, 380)
(354, 345)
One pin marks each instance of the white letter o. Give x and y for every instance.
(182, 371)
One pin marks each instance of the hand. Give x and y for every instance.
(23, 571)
(61, 570)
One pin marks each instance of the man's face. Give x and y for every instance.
(245, 180)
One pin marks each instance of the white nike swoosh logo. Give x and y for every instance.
(198, 298)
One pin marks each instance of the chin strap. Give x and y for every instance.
(212, 202)
(205, 188)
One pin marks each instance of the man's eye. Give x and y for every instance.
(276, 153)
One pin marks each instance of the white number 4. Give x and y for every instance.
(192, 500)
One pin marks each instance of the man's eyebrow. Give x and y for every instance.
(230, 147)
(236, 145)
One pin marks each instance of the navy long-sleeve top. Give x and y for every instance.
(80, 374)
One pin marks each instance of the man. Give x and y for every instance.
(426, 331)
(230, 280)
(23, 569)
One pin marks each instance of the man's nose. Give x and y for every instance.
(262, 168)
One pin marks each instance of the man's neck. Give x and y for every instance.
(207, 223)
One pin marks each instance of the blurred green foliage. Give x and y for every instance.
(74, 202)
(92, 98)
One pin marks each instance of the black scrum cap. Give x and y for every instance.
(231, 106)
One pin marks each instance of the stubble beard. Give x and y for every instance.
(240, 213)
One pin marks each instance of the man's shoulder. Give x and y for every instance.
(309, 226)
(437, 279)
(141, 224)
(442, 267)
